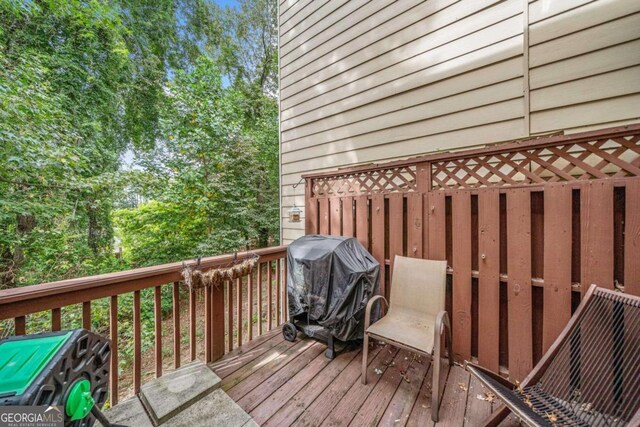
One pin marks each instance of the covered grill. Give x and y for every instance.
(329, 282)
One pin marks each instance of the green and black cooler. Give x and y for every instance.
(67, 368)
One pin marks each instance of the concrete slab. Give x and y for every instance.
(216, 409)
(174, 392)
(128, 413)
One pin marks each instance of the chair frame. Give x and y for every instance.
(441, 330)
(534, 376)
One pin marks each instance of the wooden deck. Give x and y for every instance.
(281, 383)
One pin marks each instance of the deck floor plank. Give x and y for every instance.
(349, 405)
(267, 368)
(477, 408)
(371, 411)
(256, 395)
(421, 413)
(241, 356)
(315, 414)
(288, 413)
(244, 372)
(454, 399)
(402, 403)
(282, 384)
(286, 392)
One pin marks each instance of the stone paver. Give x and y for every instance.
(128, 413)
(217, 409)
(175, 392)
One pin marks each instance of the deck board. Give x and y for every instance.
(283, 384)
(315, 413)
(257, 395)
(413, 369)
(348, 405)
(341, 403)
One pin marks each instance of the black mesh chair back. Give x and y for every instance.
(590, 376)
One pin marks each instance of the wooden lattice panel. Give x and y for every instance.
(616, 157)
(380, 181)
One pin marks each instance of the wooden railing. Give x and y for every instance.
(525, 228)
(224, 316)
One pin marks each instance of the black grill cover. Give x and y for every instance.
(331, 279)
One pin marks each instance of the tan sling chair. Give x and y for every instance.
(590, 376)
(416, 319)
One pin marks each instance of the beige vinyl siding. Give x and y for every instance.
(373, 81)
(585, 64)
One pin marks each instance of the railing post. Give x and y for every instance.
(217, 327)
(308, 221)
(208, 334)
(423, 177)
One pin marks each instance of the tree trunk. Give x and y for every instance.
(93, 232)
(10, 262)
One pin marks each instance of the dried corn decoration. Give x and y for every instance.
(195, 278)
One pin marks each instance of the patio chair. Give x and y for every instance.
(416, 319)
(590, 376)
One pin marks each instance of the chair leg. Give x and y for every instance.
(436, 360)
(435, 388)
(365, 354)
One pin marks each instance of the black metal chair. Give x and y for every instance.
(590, 376)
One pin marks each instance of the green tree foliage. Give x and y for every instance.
(62, 68)
(215, 167)
(187, 86)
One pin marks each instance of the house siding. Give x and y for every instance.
(372, 81)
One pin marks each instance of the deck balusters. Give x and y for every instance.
(56, 321)
(192, 325)
(86, 315)
(278, 292)
(176, 325)
(228, 285)
(269, 296)
(219, 317)
(207, 324)
(239, 308)
(260, 299)
(113, 332)
(157, 317)
(250, 307)
(20, 325)
(137, 350)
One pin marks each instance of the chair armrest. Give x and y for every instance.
(367, 313)
(442, 322)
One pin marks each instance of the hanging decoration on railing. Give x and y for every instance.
(195, 278)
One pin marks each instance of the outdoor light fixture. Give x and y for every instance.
(295, 213)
